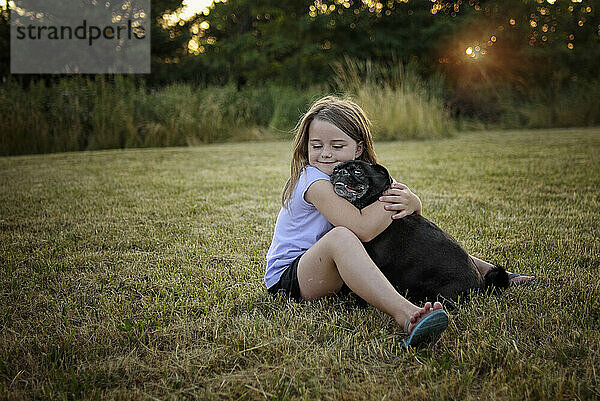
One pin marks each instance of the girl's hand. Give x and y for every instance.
(402, 199)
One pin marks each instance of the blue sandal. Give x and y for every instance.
(430, 327)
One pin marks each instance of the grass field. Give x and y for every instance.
(137, 274)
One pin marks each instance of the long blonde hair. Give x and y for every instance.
(344, 114)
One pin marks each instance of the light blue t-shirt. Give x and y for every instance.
(298, 227)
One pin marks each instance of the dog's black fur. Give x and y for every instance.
(418, 258)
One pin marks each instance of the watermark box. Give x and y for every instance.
(79, 36)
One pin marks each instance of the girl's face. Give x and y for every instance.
(329, 146)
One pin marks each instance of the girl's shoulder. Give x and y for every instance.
(311, 172)
(308, 176)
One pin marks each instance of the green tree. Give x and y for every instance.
(525, 42)
(169, 46)
(4, 43)
(295, 41)
(256, 41)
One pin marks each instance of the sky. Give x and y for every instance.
(192, 7)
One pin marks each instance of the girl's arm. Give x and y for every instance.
(366, 223)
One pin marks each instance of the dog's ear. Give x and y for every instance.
(342, 166)
(383, 171)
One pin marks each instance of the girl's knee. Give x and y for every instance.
(342, 235)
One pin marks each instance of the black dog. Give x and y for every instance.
(418, 258)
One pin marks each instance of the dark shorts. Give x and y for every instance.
(288, 283)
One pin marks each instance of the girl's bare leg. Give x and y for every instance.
(484, 267)
(339, 257)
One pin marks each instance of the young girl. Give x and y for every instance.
(317, 244)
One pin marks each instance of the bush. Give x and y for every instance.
(560, 104)
(399, 102)
(103, 113)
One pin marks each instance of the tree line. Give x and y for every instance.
(482, 48)
(294, 41)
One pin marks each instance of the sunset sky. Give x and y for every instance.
(193, 7)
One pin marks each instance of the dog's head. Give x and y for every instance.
(359, 182)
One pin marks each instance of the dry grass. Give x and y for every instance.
(401, 104)
(137, 274)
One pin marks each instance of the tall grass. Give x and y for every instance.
(559, 104)
(103, 113)
(115, 112)
(399, 102)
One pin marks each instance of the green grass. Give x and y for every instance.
(137, 274)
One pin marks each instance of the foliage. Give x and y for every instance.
(513, 63)
(287, 41)
(559, 104)
(86, 114)
(169, 42)
(138, 274)
(492, 53)
(4, 43)
(168, 45)
(116, 112)
(519, 42)
(255, 42)
(519, 49)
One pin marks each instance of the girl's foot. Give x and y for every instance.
(517, 279)
(425, 324)
(419, 314)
